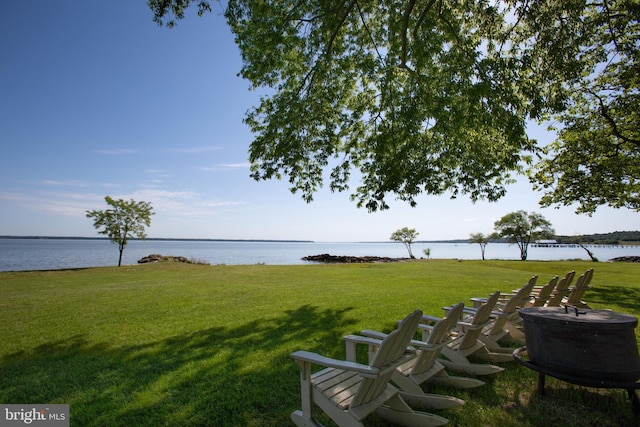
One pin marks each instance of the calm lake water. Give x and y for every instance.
(51, 254)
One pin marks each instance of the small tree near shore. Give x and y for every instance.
(520, 227)
(405, 236)
(122, 221)
(591, 255)
(480, 239)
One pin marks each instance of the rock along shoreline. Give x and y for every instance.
(347, 259)
(162, 258)
(626, 259)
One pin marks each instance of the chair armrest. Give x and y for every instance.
(573, 288)
(424, 327)
(382, 335)
(534, 291)
(422, 345)
(479, 301)
(374, 334)
(315, 358)
(372, 337)
(429, 318)
(373, 340)
(351, 342)
(471, 326)
(369, 339)
(470, 310)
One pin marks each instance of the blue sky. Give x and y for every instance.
(96, 99)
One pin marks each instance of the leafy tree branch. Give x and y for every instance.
(122, 221)
(434, 98)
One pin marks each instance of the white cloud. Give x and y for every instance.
(179, 203)
(54, 203)
(66, 183)
(223, 166)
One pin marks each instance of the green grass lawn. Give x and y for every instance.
(194, 345)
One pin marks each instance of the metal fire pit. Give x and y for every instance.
(630, 387)
(593, 348)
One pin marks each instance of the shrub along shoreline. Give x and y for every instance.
(197, 345)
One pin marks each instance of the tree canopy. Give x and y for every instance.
(480, 239)
(521, 227)
(406, 236)
(433, 97)
(122, 221)
(596, 157)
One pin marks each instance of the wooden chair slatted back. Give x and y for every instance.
(561, 289)
(440, 333)
(582, 284)
(518, 299)
(481, 316)
(390, 350)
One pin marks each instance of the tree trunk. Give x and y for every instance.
(408, 246)
(121, 248)
(523, 244)
(523, 253)
(593, 258)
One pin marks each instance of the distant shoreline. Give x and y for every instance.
(185, 239)
(26, 253)
(560, 243)
(156, 238)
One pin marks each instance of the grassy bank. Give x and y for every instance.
(174, 344)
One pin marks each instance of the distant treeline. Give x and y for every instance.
(157, 238)
(615, 238)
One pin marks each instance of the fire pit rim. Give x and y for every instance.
(591, 316)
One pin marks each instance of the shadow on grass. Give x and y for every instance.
(510, 398)
(240, 376)
(624, 297)
(572, 405)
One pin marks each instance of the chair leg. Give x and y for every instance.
(515, 333)
(413, 394)
(456, 381)
(494, 357)
(405, 383)
(430, 401)
(306, 391)
(302, 420)
(459, 363)
(473, 368)
(442, 377)
(398, 412)
(635, 403)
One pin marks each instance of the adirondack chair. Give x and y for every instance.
(349, 391)
(467, 343)
(426, 368)
(504, 326)
(542, 294)
(521, 296)
(560, 290)
(578, 291)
